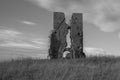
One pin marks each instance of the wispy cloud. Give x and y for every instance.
(8, 34)
(20, 45)
(28, 23)
(38, 41)
(119, 35)
(102, 13)
(12, 38)
(90, 51)
(93, 51)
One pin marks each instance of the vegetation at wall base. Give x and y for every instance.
(92, 68)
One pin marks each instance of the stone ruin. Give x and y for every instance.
(58, 43)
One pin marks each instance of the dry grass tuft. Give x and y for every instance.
(93, 68)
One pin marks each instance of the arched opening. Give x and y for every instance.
(65, 54)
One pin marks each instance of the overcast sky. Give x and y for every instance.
(26, 24)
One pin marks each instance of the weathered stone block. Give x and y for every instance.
(54, 46)
(77, 34)
(60, 31)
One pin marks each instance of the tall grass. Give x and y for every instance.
(93, 68)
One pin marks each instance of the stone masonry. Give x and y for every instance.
(58, 41)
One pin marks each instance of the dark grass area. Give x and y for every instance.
(92, 68)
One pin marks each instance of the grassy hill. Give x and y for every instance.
(93, 68)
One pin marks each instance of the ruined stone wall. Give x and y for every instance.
(60, 31)
(58, 41)
(54, 46)
(77, 34)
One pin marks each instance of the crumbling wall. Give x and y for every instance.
(77, 34)
(58, 41)
(60, 32)
(54, 46)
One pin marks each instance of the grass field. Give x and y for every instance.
(92, 68)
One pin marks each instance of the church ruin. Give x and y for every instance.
(58, 43)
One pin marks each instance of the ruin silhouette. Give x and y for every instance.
(58, 43)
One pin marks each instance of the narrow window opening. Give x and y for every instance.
(68, 39)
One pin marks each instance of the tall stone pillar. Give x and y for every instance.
(77, 35)
(60, 32)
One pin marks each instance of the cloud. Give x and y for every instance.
(28, 23)
(38, 41)
(16, 39)
(8, 34)
(119, 35)
(90, 51)
(20, 45)
(102, 13)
